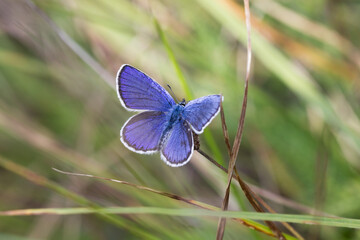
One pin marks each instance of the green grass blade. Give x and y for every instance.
(190, 212)
(180, 75)
(188, 93)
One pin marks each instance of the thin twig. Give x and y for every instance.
(212, 160)
(254, 199)
(242, 184)
(170, 195)
(251, 196)
(225, 130)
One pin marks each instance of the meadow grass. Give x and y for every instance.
(59, 109)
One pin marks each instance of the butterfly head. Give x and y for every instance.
(183, 102)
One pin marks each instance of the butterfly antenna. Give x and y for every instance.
(173, 93)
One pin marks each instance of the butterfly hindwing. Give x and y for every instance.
(200, 112)
(178, 145)
(137, 91)
(142, 132)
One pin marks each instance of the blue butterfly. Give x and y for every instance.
(162, 125)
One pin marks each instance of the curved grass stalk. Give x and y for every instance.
(247, 223)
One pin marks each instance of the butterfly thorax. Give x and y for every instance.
(175, 114)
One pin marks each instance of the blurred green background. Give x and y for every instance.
(59, 108)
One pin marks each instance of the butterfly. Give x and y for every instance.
(162, 125)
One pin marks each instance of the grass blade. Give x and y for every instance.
(191, 212)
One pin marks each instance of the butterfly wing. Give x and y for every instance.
(142, 132)
(137, 91)
(178, 145)
(200, 112)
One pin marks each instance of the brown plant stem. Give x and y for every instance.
(253, 198)
(234, 152)
(248, 193)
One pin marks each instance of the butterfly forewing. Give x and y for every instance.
(178, 146)
(142, 132)
(200, 112)
(137, 91)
